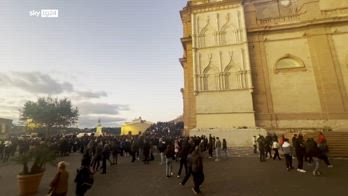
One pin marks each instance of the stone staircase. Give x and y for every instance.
(337, 142)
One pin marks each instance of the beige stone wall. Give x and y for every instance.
(314, 95)
(189, 105)
(306, 39)
(221, 67)
(224, 102)
(341, 50)
(226, 121)
(234, 137)
(335, 124)
(333, 4)
(293, 90)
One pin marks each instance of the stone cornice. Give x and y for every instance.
(221, 46)
(213, 6)
(186, 40)
(182, 62)
(299, 24)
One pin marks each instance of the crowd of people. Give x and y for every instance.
(100, 153)
(166, 140)
(307, 150)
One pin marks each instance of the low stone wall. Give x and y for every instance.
(234, 137)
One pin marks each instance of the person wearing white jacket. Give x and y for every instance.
(287, 153)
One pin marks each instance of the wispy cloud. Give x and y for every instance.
(34, 82)
(101, 108)
(91, 95)
(19, 87)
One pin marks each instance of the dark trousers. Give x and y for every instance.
(80, 190)
(95, 164)
(210, 152)
(183, 162)
(276, 154)
(325, 159)
(133, 156)
(262, 155)
(299, 157)
(187, 176)
(114, 158)
(268, 151)
(255, 148)
(104, 166)
(288, 161)
(198, 178)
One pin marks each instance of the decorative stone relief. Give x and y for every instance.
(224, 32)
(210, 76)
(220, 51)
(205, 36)
(232, 74)
(272, 12)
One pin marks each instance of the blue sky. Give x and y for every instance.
(115, 59)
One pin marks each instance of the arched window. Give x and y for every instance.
(289, 62)
(211, 78)
(231, 77)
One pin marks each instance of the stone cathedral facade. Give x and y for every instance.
(265, 63)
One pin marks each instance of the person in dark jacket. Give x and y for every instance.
(133, 150)
(170, 156)
(183, 156)
(161, 148)
(224, 147)
(210, 147)
(105, 156)
(87, 158)
(197, 170)
(115, 150)
(261, 143)
(310, 144)
(300, 152)
(268, 146)
(315, 154)
(83, 180)
(189, 166)
(146, 151)
(97, 156)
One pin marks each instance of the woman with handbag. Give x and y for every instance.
(59, 185)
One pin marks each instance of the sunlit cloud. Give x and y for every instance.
(101, 108)
(19, 87)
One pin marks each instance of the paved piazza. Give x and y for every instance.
(241, 174)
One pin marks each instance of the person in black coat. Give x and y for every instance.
(105, 156)
(183, 157)
(300, 152)
(83, 180)
(197, 170)
(261, 143)
(146, 152)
